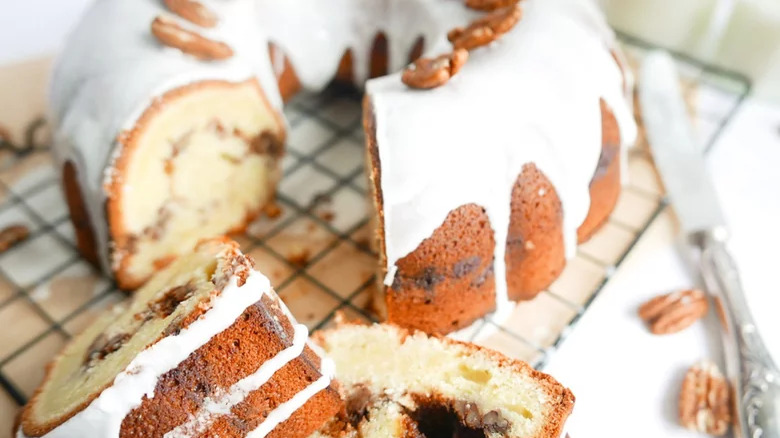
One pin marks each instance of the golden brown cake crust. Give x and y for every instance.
(535, 253)
(85, 233)
(447, 282)
(606, 183)
(285, 383)
(289, 84)
(427, 295)
(224, 360)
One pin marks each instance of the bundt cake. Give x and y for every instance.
(402, 383)
(167, 113)
(484, 186)
(168, 129)
(205, 348)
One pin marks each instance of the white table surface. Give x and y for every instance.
(625, 379)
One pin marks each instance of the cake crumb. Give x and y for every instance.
(299, 257)
(12, 235)
(328, 216)
(272, 210)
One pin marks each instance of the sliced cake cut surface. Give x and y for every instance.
(397, 382)
(206, 348)
(200, 163)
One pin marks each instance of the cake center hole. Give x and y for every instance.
(437, 421)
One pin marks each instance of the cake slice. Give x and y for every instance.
(202, 162)
(166, 132)
(400, 383)
(206, 348)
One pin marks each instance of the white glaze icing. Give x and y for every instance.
(286, 409)
(213, 407)
(315, 34)
(538, 87)
(530, 97)
(112, 69)
(103, 416)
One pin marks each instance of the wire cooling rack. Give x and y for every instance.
(316, 252)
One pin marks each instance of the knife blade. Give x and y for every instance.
(752, 373)
(677, 156)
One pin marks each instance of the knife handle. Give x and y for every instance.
(754, 377)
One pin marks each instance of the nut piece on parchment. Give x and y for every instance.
(272, 210)
(490, 5)
(12, 235)
(485, 30)
(171, 34)
(428, 73)
(193, 11)
(705, 400)
(674, 312)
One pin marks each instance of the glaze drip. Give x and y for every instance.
(530, 97)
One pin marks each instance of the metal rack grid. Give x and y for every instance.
(316, 253)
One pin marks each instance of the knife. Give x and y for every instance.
(754, 377)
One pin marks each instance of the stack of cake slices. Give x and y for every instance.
(207, 349)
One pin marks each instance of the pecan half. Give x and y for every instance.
(487, 29)
(171, 34)
(431, 73)
(490, 5)
(674, 312)
(705, 400)
(193, 11)
(12, 235)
